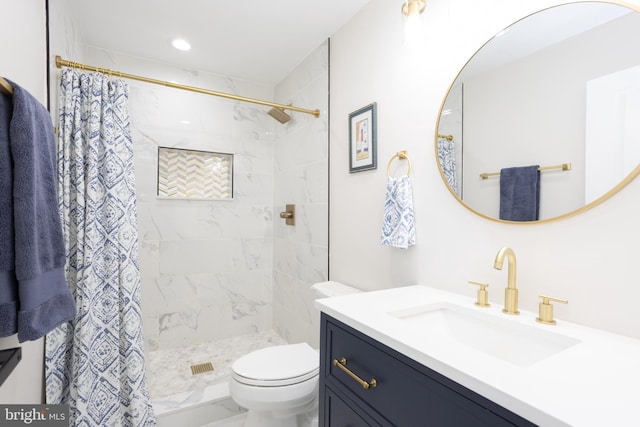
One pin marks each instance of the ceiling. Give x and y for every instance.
(256, 40)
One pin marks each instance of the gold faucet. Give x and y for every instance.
(511, 292)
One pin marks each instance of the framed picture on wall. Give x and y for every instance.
(362, 139)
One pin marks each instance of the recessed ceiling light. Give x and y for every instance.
(181, 44)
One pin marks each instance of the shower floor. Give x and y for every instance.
(177, 394)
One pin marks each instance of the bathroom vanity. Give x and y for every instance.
(397, 391)
(417, 356)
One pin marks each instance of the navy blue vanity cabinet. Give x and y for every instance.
(340, 411)
(406, 393)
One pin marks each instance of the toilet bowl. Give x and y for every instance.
(276, 384)
(279, 385)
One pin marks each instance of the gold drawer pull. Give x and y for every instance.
(342, 364)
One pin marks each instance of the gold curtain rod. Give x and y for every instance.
(564, 167)
(447, 137)
(64, 63)
(5, 86)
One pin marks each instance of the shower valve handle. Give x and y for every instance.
(289, 215)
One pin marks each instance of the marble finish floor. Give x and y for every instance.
(169, 370)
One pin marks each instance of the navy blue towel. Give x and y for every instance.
(520, 193)
(8, 283)
(32, 253)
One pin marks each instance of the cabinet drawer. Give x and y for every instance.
(339, 412)
(406, 391)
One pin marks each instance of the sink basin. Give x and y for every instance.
(500, 337)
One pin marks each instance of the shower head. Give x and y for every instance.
(279, 114)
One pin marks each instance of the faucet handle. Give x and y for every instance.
(482, 300)
(545, 314)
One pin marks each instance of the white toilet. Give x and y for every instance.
(279, 384)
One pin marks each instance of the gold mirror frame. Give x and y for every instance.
(630, 177)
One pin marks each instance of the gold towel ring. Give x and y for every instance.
(402, 155)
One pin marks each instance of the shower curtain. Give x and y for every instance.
(447, 158)
(95, 363)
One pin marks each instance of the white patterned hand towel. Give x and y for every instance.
(398, 228)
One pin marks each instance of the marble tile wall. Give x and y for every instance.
(301, 176)
(211, 269)
(206, 265)
(217, 269)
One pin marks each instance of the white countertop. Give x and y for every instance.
(595, 382)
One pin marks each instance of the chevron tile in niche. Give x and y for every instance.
(189, 174)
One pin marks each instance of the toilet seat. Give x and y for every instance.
(277, 366)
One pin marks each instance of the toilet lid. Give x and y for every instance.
(277, 365)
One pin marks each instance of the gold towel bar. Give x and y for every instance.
(402, 155)
(447, 137)
(564, 167)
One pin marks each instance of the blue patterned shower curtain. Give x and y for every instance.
(447, 158)
(95, 363)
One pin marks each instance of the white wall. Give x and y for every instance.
(24, 61)
(64, 41)
(590, 259)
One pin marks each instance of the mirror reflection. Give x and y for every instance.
(556, 92)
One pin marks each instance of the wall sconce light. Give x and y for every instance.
(411, 10)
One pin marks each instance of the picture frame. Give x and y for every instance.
(363, 139)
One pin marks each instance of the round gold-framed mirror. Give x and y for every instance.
(542, 122)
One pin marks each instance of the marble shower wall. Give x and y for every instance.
(301, 252)
(206, 265)
(217, 269)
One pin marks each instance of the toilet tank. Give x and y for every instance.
(332, 289)
(325, 290)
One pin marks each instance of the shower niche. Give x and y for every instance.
(198, 175)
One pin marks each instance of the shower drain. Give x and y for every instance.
(201, 368)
